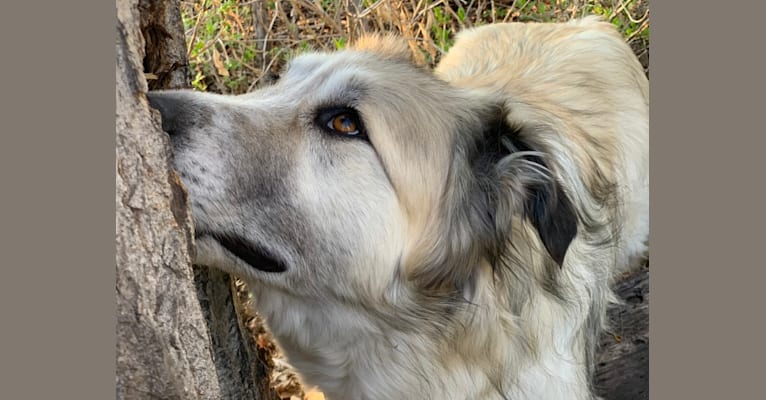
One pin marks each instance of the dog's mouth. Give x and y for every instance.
(255, 256)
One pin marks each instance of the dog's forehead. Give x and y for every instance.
(308, 63)
(343, 70)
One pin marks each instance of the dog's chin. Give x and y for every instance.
(229, 252)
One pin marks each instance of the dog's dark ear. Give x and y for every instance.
(524, 182)
(551, 212)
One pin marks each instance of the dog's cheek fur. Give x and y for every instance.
(341, 184)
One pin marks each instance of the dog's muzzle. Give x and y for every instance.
(178, 114)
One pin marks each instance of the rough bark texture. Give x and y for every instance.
(622, 369)
(238, 361)
(176, 338)
(163, 348)
(163, 32)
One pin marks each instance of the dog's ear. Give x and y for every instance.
(525, 183)
(552, 214)
(497, 178)
(387, 46)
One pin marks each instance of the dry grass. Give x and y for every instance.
(233, 46)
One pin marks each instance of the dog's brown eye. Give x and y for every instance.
(344, 123)
(341, 121)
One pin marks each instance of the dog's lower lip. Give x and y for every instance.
(256, 257)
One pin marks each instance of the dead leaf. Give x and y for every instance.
(219, 64)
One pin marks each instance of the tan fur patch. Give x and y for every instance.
(389, 46)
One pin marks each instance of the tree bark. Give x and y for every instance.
(163, 31)
(177, 337)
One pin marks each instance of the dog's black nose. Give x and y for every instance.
(171, 107)
(178, 109)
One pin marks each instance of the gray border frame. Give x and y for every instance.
(57, 207)
(707, 200)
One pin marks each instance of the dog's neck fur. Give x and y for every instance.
(353, 354)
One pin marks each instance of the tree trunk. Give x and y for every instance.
(178, 331)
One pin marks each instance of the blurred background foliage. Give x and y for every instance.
(236, 45)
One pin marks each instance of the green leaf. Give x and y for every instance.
(340, 43)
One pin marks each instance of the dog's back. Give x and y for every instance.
(582, 79)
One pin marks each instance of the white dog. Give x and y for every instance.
(420, 235)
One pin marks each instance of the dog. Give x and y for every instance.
(429, 234)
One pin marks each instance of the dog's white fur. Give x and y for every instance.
(390, 293)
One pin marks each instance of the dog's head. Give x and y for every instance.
(359, 174)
